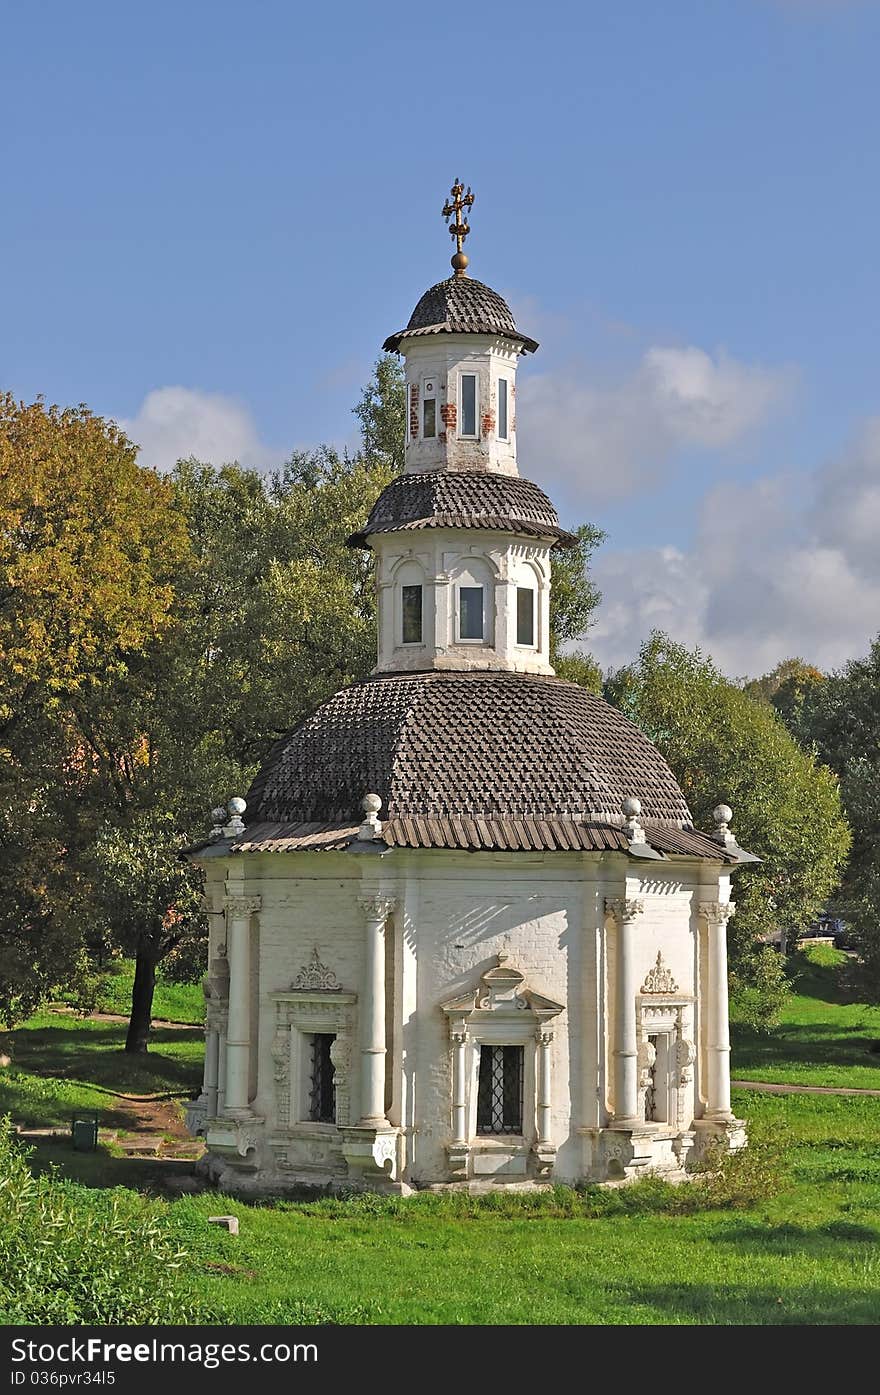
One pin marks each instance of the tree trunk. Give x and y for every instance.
(141, 1004)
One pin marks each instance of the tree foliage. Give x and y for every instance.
(90, 545)
(841, 717)
(789, 688)
(150, 898)
(723, 746)
(574, 598)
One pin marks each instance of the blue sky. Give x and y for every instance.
(216, 212)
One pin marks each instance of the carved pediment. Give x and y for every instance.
(502, 990)
(315, 976)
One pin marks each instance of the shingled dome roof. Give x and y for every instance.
(475, 744)
(461, 305)
(464, 499)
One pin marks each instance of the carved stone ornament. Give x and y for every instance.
(659, 979)
(241, 906)
(377, 906)
(624, 908)
(717, 913)
(686, 1055)
(316, 976)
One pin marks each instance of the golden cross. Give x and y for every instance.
(461, 227)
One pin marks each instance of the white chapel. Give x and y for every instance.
(463, 931)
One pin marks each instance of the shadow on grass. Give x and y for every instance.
(808, 1044)
(738, 1304)
(94, 1055)
(101, 1169)
(823, 981)
(825, 1241)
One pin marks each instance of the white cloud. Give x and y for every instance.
(607, 441)
(174, 422)
(765, 579)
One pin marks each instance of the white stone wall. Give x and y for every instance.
(455, 914)
(440, 560)
(438, 361)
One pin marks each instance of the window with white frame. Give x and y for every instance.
(503, 390)
(429, 409)
(467, 420)
(411, 607)
(525, 616)
(471, 613)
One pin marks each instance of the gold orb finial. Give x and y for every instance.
(460, 228)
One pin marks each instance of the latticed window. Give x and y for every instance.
(322, 1097)
(500, 1089)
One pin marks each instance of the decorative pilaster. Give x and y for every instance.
(625, 913)
(239, 910)
(377, 908)
(716, 915)
(458, 1035)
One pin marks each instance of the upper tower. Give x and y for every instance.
(460, 349)
(462, 544)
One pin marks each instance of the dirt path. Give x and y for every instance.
(118, 1017)
(771, 1088)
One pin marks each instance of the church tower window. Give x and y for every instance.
(468, 425)
(470, 612)
(322, 1095)
(525, 615)
(429, 409)
(412, 614)
(502, 409)
(500, 1090)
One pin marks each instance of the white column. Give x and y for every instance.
(377, 909)
(238, 1031)
(459, 1086)
(715, 1010)
(626, 1067)
(212, 1070)
(544, 1086)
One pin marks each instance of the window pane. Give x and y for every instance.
(525, 615)
(468, 404)
(470, 612)
(412, 614)
(322, 1096)
(500, 1089)
(502, 408)
(429, 417)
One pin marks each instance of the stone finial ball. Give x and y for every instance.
(631, 807)
(219, 814)
(237, 806)
(371, 803)
(722, 813)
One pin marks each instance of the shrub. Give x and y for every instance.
(69, 1255)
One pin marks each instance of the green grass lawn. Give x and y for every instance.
(807, 1251)
(822, 1038)
(62, 1063)
(810, 1254)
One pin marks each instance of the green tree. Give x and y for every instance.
(841, 717)
(89, 548)
(574, 598)
(723, 746)
(150, 898)
(789, 688)
(381, 411)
